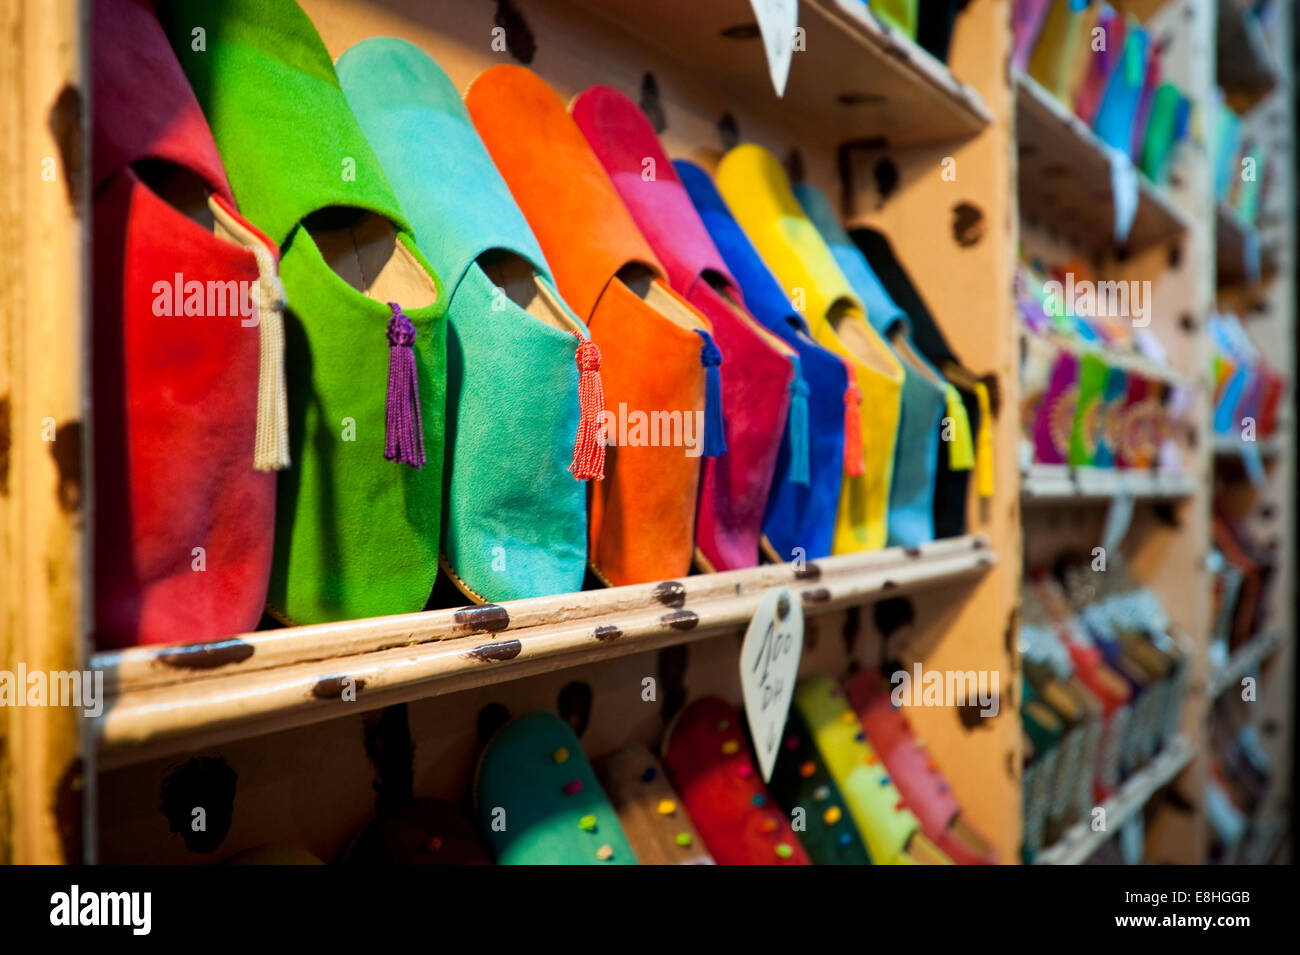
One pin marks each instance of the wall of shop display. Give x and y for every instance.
(1089, 300)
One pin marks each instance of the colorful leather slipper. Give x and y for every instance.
(654, 821)
(417, 832)
(914, 772)
(514, 517)
(759, 370)
(802, 783)
(800, 518)
(706, 755)
(657, 352)
(357, 517)
(187, 319)
(892, 834)
(758, 192)
(925, 397)
(538, 800)
(954, 477)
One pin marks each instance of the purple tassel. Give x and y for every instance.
(403, 432)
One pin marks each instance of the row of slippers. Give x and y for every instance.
(852, 785)
(427, 269)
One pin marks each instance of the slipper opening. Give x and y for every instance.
(848, 322)
(183, 189)
(363, 249)
(518, 280)
(646, 285)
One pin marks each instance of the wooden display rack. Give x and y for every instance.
(870, 118)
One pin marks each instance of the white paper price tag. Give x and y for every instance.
(769, 666)
(777, 21)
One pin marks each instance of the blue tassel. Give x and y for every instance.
(715, 436)
(797, 426)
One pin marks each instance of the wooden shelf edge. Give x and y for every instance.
(1246, 66)
(1158, 217)
(1079, 844)
(1242, 662)
(167, 700)
(1059, 482)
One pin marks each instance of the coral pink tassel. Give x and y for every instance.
(854, 461)
(589, 447)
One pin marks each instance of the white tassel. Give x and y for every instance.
(271, 452)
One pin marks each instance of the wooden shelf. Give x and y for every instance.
(1243, 662)
(1081, 841)
(1059, 482)
(1247, 71)
(1229, 447)
(1065, 179)
(1230, 241)
(167, 700)
(856, 77)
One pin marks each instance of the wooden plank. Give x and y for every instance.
(1046, 483)
(43, 190)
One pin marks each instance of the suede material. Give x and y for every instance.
(514, 519)
(915, 774)
(1113, 395)
(417, 832)
(706, 754)
(649, 809)
(757, 370)
(642, 515)
(1089, 414)
(952, 483)
(800, 780)
(1052, 61)
(535, 771)
(1026, 22)
(1134, 401)
(1102, 65)
(356, 535)
(175, 395)
(886, 826)
(758, 192)
(900, 14)
(800, 517)
(1119, 104)
(1055, 420)
(911, 495)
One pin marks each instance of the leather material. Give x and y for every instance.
(899, 14)
(1026, 22)
(555, 813)
(1119, 104)
(642, 515)
(514, 518)
(1101, 65)
(649, 809)
(758, 369)
(1111, 417)
(1089, 411)
(924, 395)
(1052, 62)
(874, 802)
(1055, 420)
(356, 535)
(175, 395)
(912, 770)
(705, 753)
(758, 192)
(952, 480)
(801, 781)
(800, 516)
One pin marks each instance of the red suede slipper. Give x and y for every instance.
(914, 772)
(758, 370)
(184, 515)
(708, 759)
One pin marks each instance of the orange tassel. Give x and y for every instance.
(854, 455)
(589, 447)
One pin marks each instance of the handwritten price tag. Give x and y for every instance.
(769, 666)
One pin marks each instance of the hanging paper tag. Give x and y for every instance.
(777, 22)
(1124, 192)
(769, 666)
(1250, 255)
(1118, 517)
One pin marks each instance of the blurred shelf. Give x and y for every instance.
(856, 77)
(1232, 242)
(1059, 482)
(1247, 70)
(1229, 447)
(1065, 177)
(1081, 841)
(1245, 661)
(173, 699)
